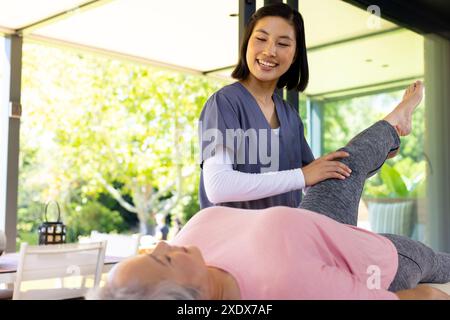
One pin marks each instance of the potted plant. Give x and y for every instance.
(392, 204)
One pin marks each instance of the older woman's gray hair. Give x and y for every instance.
(164, 290)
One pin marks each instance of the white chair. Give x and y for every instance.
(118, 245)
(55, 272)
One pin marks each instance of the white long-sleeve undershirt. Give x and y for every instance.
(223, 184)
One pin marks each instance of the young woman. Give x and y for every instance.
(254, 153)
(308, 255)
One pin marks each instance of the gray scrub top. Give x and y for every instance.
(231, 117)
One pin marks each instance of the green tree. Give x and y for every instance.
(81, 218)
(101, 124)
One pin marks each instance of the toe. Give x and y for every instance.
(410, 88)
(418, 84)
(407, 90)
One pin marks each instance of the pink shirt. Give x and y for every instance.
(289, 253)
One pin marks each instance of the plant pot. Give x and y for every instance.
(395, 216)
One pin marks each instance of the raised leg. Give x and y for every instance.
(339, 199)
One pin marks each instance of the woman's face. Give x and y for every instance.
(183, 265)
(271, 48)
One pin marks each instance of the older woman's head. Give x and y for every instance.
(168, 272)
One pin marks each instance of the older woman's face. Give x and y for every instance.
(271, 48)
(183, 265)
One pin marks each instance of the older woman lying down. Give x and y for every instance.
(312, 252)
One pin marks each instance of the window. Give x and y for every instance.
(393, 199)
(103, 137)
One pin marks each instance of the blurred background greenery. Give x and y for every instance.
(114, 142)
(345, 118)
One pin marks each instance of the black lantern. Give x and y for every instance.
(52, 232)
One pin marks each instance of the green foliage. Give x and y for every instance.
(393, 181)
(129, 218)
(92, 121)
(30, 237)
(82, 219)
(393, 184)
(190, 207)
(29, 218)
(346, 118)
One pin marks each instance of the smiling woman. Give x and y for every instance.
(275, 36)
(254, 153)
(271, 47)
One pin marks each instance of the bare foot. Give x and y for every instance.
(401, 117)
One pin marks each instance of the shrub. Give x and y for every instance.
(82, 219)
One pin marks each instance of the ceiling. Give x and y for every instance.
(348, 49)
(422, 16)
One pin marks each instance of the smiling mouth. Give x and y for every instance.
(266, 64)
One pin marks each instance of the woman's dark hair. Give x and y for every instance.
(297, 75)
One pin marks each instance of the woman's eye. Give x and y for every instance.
(283, 44)
(260, 39)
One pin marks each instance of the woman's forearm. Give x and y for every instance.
(223, 184)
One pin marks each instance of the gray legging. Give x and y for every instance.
(339, 200)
